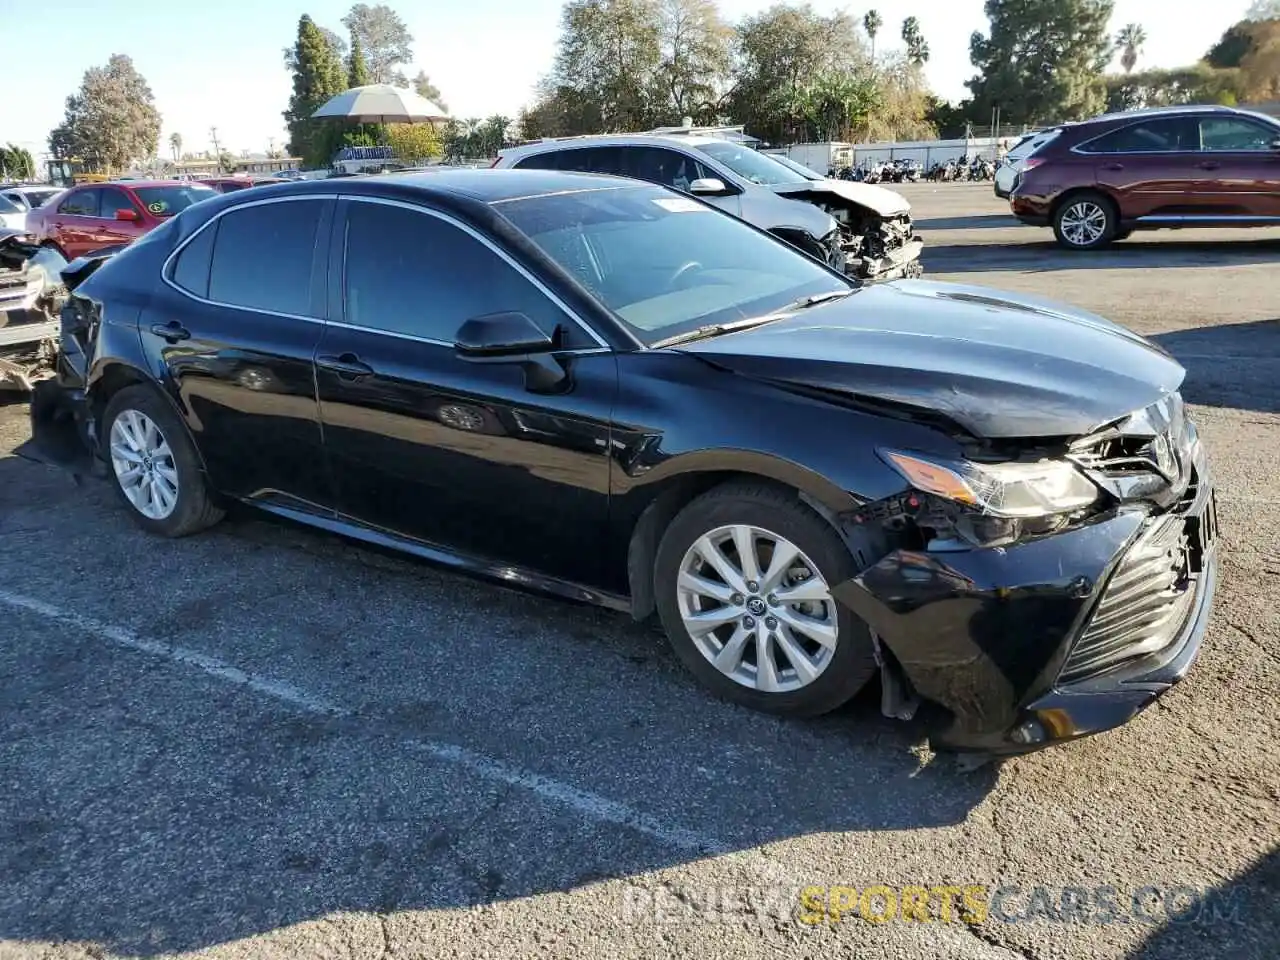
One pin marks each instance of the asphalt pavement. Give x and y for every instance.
(263, 741)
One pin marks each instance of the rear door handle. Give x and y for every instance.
(172, 331)
(347, 366)
(1113, 166)
(1210, 165)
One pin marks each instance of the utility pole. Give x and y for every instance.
(271, 147)
(217, 150)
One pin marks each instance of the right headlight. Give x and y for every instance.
(1011, 490)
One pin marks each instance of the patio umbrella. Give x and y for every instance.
(380, 103)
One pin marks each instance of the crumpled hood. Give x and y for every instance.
(999, 365)
(884, 202)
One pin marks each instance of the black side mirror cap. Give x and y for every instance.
(501, 335)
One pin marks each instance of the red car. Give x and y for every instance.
(228, 184)
(1098, 181)
(96, 215)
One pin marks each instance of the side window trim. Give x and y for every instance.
(340, 248)
(319, 254)
(1190, 122)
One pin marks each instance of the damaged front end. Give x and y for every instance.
(32, 294)
(877, 238)
(1040, 598)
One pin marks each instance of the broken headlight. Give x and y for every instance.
(1013, 491)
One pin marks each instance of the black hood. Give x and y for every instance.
(999, 365)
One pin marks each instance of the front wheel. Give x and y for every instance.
(743, 581)
(1086, 221)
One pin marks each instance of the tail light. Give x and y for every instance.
(1031, 163)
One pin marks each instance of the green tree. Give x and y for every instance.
(917, 45)
(318, 76)
(16, 163)
(226, 161)
(608, 60)
(1264, 10)
(175, 145)
(357, 67)
(1042, 60)
(112, 120)
(386, 40)
(1199, 83)
(780, 53)
(1129, 41)
(697, 51)
(428, 90)
(414, 142)
(872, 22)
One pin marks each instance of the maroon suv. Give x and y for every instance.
(1098, 181)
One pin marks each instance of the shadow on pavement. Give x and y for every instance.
(981, 221)
(152, 809)
(1236, 919)
(1134, 254)
(1229, 365)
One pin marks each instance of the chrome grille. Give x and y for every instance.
(1143, 605)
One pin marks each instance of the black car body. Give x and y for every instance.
(1003, 496)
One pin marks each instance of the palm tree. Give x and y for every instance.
(175, 144)
(1129, 41)
(872, 23)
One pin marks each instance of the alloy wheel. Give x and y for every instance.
(144, 465)
(757, 608)
(1084, 223)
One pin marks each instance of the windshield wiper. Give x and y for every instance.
(716, 329)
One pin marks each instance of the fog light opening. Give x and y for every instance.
(1028, 732)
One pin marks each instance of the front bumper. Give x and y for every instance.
(1050, 640)
(899, 263)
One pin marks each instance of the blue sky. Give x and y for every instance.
(219, 64)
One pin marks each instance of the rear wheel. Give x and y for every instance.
(154, 465)
(1085, 221)
(743, 581)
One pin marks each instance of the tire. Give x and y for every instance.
(191, 507)
(1096, 215)
(836, 675)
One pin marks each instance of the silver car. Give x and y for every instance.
(862, 230)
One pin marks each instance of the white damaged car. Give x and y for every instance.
(863, 230)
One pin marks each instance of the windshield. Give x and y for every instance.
(168, 200)
(750, 165)
(666, 264)
(799, 168)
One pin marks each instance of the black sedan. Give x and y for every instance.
(613, 392)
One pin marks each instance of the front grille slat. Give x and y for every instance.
(1142, 606)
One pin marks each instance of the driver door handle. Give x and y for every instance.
(172, 331)
(347, 365)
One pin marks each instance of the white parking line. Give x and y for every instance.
(589, 805)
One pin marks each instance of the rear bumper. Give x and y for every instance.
(1049, 640)
(62, 432)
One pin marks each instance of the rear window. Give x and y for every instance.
(168, 200)
(1033, 145)
(8, 206)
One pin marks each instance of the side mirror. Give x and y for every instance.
(501, 336)
(512, 338)
(130, 215)
(708, 186)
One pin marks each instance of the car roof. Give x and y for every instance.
(133, 184)
(1187, 109)
(486, 186)
(617, 140)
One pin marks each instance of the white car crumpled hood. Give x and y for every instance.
(884, 202)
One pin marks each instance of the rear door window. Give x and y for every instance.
(540, 161)
(592, 160)
(82, 203)
(1167, 135)
(263, 256)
